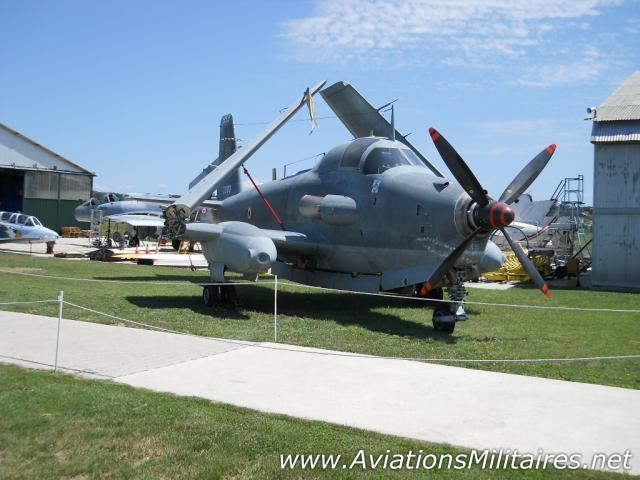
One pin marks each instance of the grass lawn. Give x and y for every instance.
(354, 323)
(58, 426)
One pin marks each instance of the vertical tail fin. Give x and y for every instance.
(232, 184)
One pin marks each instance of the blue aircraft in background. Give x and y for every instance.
(18, 227)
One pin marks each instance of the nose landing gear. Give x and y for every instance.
(447, 314)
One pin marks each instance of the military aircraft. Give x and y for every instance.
(17, 227)
(372, 215)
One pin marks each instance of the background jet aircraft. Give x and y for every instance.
(18, 227)
(372, 215)
(144, 212)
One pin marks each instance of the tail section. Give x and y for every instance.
(231, 184)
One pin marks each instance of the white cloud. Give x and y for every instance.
(457, 33)
(587, 67)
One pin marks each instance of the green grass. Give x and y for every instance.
(354, 323)
(57, 426)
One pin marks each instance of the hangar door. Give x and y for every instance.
(11, 187)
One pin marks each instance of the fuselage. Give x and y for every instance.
(24, 228)
(132, 207)
(398, 217)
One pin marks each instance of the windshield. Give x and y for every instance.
(382, 159)
(413, 158)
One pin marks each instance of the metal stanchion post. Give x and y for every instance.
(275, 309)
(60, 304)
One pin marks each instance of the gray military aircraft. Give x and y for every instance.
(372, 215)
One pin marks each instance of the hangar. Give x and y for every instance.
(616, 188)
(38, 181)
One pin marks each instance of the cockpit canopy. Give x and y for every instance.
(20, 219)
(109, 197)
(370, 156)
(92, 202)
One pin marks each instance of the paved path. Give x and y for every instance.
(442, 404)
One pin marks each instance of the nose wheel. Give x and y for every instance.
(442, 322)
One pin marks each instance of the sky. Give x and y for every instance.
(134, 90)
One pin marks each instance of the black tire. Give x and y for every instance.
(230, 296)
(440, 326)
(209, 295)
(175, 243)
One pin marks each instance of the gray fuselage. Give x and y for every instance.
(401, 220)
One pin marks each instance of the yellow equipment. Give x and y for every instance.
(513, 270)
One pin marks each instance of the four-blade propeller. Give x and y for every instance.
(488, 214)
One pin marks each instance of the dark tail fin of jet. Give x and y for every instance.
(232, 184)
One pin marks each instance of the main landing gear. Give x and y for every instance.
(219, 295)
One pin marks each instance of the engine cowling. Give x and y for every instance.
(331, 209)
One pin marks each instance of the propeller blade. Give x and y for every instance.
(459, 168)
(447, 263)
(527, 264)
(527, 175)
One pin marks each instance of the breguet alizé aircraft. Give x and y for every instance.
(372, 215)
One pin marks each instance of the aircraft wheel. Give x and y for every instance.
(442, 326)
(210, 294)
(229, 295)
(175, 243)
(222, 294)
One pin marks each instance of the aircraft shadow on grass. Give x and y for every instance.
(346, 310)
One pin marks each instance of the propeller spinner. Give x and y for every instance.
(488, 214)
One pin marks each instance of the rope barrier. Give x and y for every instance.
(135, 282)
(352, 292)
(356, 355)
(44, 364)
(422, 299)
(33, 301)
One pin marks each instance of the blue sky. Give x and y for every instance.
(135, 90)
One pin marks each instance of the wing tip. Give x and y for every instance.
(434, 134)
(551, 148)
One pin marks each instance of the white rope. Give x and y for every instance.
(33, 301)
(422, 299)
(356, 355)
(79, 370)
(353, 292)
(142, 280)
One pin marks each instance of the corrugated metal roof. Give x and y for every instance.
(623, 104)
(605, 132)
(74, 167)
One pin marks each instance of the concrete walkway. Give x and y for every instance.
(435, 403)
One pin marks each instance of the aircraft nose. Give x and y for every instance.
(81, 214)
